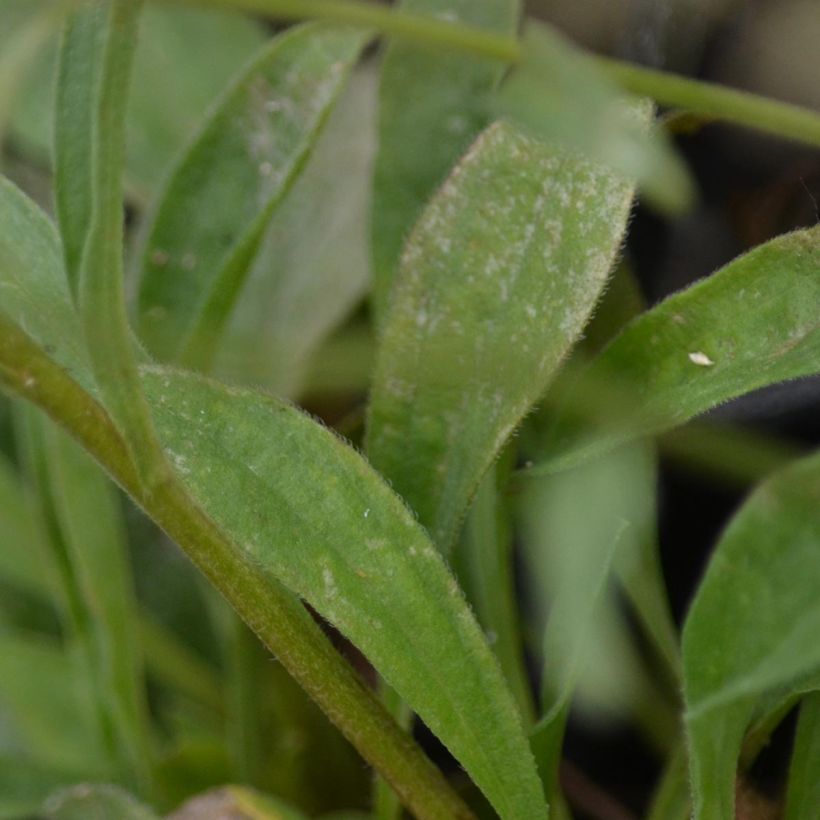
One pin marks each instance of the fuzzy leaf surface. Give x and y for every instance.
(431, 107)
(752, 323)
(212, 214)
(307, 508)
(752, 629)
(496, 283)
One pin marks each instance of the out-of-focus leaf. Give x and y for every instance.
(803, 798)
(308, 509)
(94, 802)
(212, 215)
(22, 558)
(431, 106)
(753, 323)
(33, 289)
(574, 523)
(24, 785)
(238, 803)
(185, 57)
(42, 698)
(752, 629)
(313, 263)
(88, 556)
(567, 100)
(496, 283)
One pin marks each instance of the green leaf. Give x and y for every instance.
(93, 802)
(431, 106)
(751, 631)
(211, 216)
(307, 509)
(24, 785)
(305, 280)
(95, 66)
(570, 548)
(33, 286)
(803, 798)
(46, 706)
(184, 58)
(497, 281)
(569, 101)
(89, 561)
(751, 324)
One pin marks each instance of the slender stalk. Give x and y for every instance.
(392, 22)
(277, 617)
(716, 101)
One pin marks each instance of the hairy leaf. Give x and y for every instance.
(753, 323)
(33, 289)
(305, 507)
(803, 798)
(313, 263)
(93, 802)
(212, 214)
(431, 106)
(752, 628)
(24, 784)
(496, 283)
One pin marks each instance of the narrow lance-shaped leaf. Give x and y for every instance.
(99, 54)
(212, 214)
(753, 323)
(309, 510)
(431, 106)
(803, 798)
(569, 101)
(752, 628)
(496, 283)
(89, 562)
(313, 262)
(92, 802)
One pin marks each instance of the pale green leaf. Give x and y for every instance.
(752, 629)
(313, 263)
(750, 324)
(238, 803)
(24, 784)
(803, 798)
(94, 802)
(431, 106)
(33, 289)
(569, 101)
(184, 58)
(212, 214)
(305, 507)
(89, 561)
(48, 710)
(496, 283)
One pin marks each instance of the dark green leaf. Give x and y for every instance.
(497, 281)
(751, 632)
(431, 106)
(93, 802)
(753, 323)
(213, 212)
(309, 510)
(803, 799)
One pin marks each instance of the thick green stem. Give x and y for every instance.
(276, 616)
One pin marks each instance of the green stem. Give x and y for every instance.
(392, 22)
(716, 101)
(277, 617)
